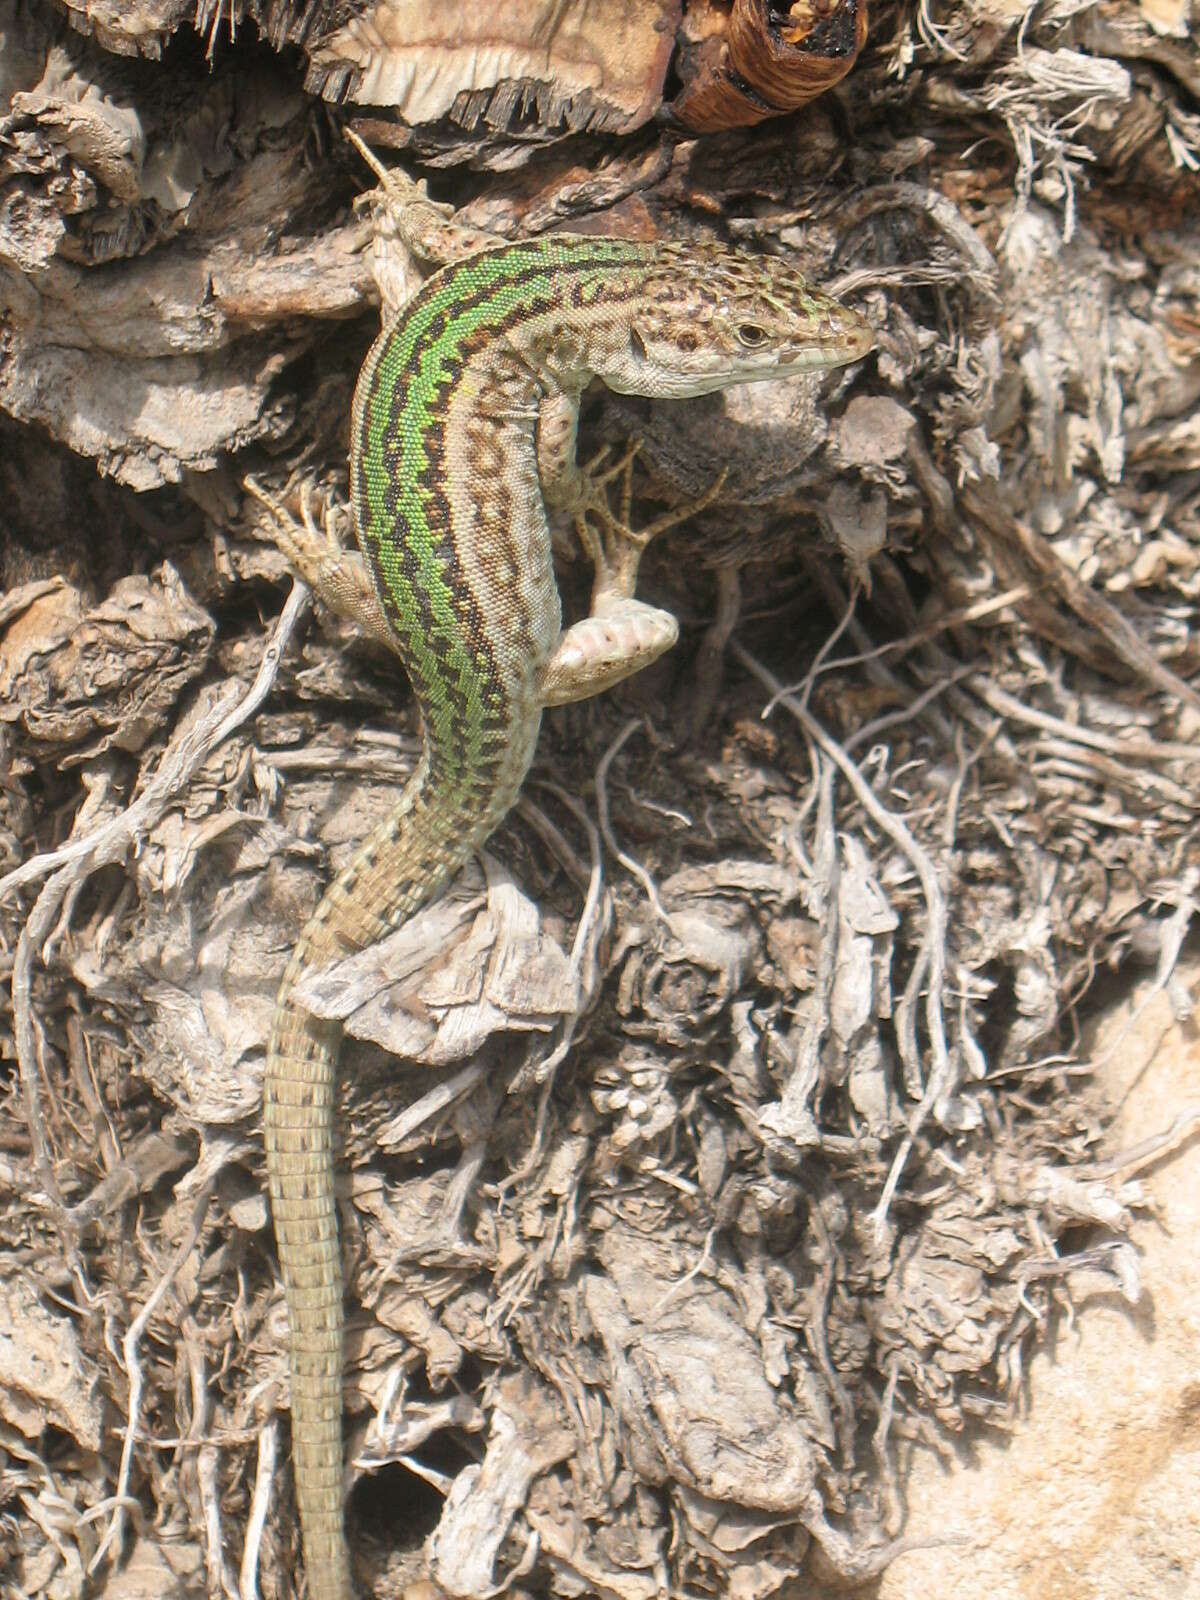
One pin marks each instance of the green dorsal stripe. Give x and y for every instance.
(404, 516)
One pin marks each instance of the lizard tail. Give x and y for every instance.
(298, 1132)
(405, 862)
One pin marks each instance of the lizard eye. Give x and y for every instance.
(751, 336)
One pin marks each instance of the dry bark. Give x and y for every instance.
(727, 1132)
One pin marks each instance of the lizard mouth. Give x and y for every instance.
(848, 336)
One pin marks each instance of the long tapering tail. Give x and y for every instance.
(404, 863)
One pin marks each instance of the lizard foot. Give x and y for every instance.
(400, 206)
(338, 577)
(622, 634)
(614, 546)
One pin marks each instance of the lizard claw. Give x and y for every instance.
(614, 546)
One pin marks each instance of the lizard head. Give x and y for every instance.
(710, 316)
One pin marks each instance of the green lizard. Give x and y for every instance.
(463, 433)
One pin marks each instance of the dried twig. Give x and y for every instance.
(931, 955)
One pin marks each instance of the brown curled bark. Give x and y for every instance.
(751, 65)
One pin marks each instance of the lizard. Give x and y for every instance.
(462, 442)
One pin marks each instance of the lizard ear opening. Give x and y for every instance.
(637, 343)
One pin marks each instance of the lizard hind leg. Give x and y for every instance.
(337, 576)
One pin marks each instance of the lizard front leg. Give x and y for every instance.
(621, 634)
(401, 211)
